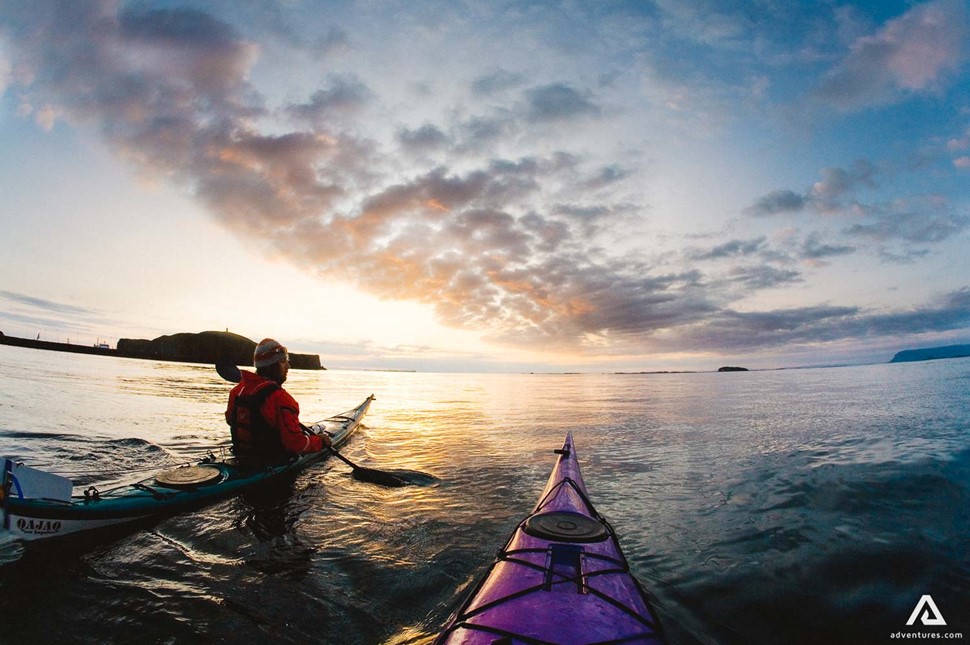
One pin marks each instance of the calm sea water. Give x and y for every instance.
(813, 506)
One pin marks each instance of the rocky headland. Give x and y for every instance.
(931, 353)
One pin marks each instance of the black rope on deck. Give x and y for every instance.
(579, 491)
(156, 494)
(498, 632)
(621, 568)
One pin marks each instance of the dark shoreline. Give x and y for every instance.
(208, 347)
(56, 347)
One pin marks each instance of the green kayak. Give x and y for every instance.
(38, 505)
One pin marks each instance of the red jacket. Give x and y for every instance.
(281, 414)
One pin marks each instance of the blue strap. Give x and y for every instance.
(20, 492)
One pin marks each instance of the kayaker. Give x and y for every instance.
(265, 418)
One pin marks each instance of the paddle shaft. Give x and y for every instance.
(344, 459)
(333, 449)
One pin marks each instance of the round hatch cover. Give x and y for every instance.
(188, 476)
(565, 527)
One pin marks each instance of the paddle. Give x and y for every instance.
(384, 478)
(228, 370)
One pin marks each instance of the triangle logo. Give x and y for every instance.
(929, 608)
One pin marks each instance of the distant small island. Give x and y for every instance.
(728, 368)
(931, 353)
(204, 347)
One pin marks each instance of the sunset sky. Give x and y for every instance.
(491, 186)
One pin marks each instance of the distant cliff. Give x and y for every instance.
(931, 353)
(205, 347)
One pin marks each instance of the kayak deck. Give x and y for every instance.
(561, 578)
(172, 491)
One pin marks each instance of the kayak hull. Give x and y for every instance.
(36, 519)
(561, 578)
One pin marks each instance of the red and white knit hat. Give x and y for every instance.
(268, 352)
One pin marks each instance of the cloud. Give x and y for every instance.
(735, 331)
(825, 195)
(333, 40)
(837, 182)
(480, 133)
(914, 53)
(957, 144)
(742, 277)
(810, 249)
(189, 48)
(498, 81)
(815, 250)
(730, 330)
(778, 202)
(144, 76)
(557, 102)
(706, 21)
(763, 277)
(891, 229)
(51, 306)
(947, 312)
(6, 75)
(46, 117)
(607, 176)
(730, 249)
(345, 95)
(40, 314)
(453, 242)
(426, 138)
(963, 163)
(928, 221)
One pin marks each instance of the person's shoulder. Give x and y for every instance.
(252, 383)
(239, 387)
(282, 397)
(252, 379)
(284, 394)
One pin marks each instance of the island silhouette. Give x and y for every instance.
(931, 353)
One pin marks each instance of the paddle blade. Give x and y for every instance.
(394, 478)
(228, 370)
(380, 477)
